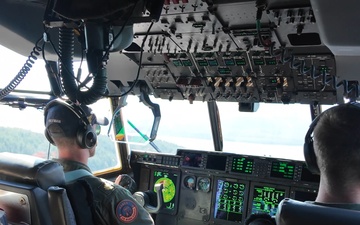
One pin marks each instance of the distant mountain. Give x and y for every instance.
(22, 141)
(31, 143)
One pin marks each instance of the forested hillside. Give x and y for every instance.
(26, 142)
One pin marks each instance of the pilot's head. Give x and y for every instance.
(67, 123)
(337, 143)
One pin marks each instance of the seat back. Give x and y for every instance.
(24, 196)
(3, 220)
(292, 212)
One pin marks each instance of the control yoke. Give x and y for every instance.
(144, 199)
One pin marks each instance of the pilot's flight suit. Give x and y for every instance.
(112, 204)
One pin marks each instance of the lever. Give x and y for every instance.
(144, 199)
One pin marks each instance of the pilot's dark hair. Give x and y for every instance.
(337, 143)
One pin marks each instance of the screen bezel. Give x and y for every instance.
(213, 203)
(305, 190)
(177, 193)
(252, 192)
(304, 168)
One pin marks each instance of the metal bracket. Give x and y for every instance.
(144, 98)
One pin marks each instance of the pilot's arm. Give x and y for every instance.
(119, 207)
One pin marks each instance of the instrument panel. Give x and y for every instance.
(222, 188)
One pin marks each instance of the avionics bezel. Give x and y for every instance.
(177, 193)
(245, 201)
(252, 191)
(198, 165)
(293, 191)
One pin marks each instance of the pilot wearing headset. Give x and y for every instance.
(73, 129)
(332, 150)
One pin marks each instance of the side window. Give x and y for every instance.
(106, 155)
(22, 131)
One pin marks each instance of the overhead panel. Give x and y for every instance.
(212, 50)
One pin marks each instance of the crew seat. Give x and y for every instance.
(31, 192)
(293, 212)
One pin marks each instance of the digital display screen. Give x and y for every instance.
(270, 61)
(258, 61)
(216, 162)
(307, 176)
(213, 62)
(266, 199)
(281, 169)
(240, 62)
(170, 186)
(192, 159)
(229, 62)
(229, 200)
(186, 62)
(177, 62)
(202, 62)
(242, 165)
(305, 195)
(224, 70)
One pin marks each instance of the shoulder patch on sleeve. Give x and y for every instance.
(126, 211)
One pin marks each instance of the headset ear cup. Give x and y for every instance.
(48, 137)
(309, 152)
(310, 157)
(86, 137)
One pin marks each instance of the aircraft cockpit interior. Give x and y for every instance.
(246, 52)
(217, 188)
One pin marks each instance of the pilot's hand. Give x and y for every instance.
(126, 182)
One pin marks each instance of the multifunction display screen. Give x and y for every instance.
(282, 169)
(170, 186)
(307, 176)
(229, 200)
(242, 165)
(216, 162)
(266, 199)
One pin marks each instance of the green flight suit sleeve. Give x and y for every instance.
(117, 206)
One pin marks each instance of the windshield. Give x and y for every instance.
(275, 130)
